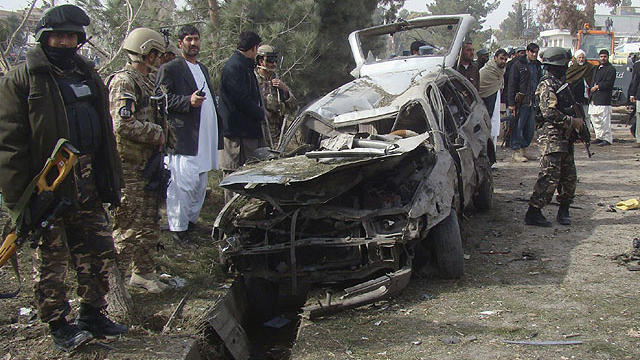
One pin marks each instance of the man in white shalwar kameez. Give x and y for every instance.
(602, 82)
(193, 115)
(491, 85)
(189, 174)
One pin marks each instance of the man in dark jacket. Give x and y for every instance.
(524, 77)
(241, 106)
(600, 107)
(466, 66)
(58, 94)
(513, 54)
(634, 97)
(194, 118)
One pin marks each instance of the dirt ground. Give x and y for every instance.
(25, 337)
(520, 283)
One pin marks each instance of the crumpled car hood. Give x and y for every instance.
(302, 180)
(366, 94)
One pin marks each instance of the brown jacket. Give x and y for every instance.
(33, 118)
(472, 73)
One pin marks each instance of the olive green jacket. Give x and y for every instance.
(33, 118)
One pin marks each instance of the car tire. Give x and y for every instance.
(447, 247)
(483, 198)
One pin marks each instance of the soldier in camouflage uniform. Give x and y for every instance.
(278, 99)
(558, 170)
(139, 134)
(57, 94)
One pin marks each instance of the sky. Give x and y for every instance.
(493, 20)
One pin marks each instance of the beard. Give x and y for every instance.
(191, 51)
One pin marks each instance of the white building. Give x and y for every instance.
(557, 37)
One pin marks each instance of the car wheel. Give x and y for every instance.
(483, 198)
(447, 247)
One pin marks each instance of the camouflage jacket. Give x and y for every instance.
(138, 132)
(555, 125)
(276, 110)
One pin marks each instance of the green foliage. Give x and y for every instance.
(479, 9)
(311, 36)
(518, 27)
(110, 20)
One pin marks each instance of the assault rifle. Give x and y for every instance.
(154, 172)
(38, 207)
(513, 120)
(570, 107)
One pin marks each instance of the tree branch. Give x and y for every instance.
(296, 25)
(17, 31)
(131, 18)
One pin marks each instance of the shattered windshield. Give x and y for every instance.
(432, 40)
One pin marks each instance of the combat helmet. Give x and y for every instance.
(269, 53)
(267, 50)
(141, 41)
(63, 18)
(555, 56)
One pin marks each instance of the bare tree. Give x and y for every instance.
(131, 18)
(570, 14)
(13, 36)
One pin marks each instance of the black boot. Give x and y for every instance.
(563, 215)
(534, 217)
(93, 320)
(67, 337)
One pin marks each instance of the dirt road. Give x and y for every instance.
(520, 283)
(565, 288)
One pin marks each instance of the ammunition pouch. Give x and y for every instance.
(156, 175)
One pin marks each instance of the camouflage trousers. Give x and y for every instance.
(82, 235)
(557, 172)
(136, 227)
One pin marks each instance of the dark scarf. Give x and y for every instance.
(60, 57)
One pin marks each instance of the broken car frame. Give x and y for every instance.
(396, 155)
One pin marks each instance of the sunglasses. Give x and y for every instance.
(271, 60)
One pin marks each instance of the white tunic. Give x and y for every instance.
(188, 184)
(207, 157)
(495, 120)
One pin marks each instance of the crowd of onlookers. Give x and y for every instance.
(508, 82)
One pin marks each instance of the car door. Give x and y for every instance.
(456, 115)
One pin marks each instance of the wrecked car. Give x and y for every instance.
(370, 180)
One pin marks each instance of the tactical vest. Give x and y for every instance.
(136, 152)
(80, 96)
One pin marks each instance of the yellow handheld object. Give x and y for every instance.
(62, 160)
(8, 248)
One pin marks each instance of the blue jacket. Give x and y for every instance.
(240, 100)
